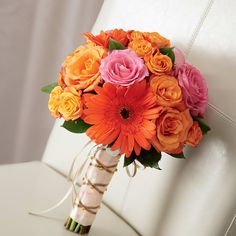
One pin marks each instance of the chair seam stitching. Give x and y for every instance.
(190, 46)
(230, 225)
(199, 26)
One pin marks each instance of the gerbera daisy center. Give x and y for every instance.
(125, 113)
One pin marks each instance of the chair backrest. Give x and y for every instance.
(188, 197)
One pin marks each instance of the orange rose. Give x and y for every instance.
(194, 135)
(54, 101)
(157, 40)
(159, 63)
(71, 106)
(154, 38)
(167, 90)
(142, 47)
(172, 130)
(81, 69)
(135, 35)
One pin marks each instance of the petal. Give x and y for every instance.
(142, 141)
(108, 138)
(124, 147)
(130, 142)
(147, 133)
(151, 113)
(137, 148)
(117, 143)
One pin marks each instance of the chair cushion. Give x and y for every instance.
(34, 186)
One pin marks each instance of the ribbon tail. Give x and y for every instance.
(75, 159)
(72, 187)
(135, 170)
(39, 213)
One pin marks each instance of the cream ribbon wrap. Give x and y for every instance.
(103, 164)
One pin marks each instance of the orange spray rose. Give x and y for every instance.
(172, 130)
(167, 90)
(194, 135)
(159, 63)
(71, 106)
(142, 47)
(54, 101)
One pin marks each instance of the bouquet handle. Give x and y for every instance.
(102, 165)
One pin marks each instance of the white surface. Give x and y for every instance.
(35, 186)
(188, 197)
(214, 52)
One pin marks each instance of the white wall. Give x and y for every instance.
(35, 37)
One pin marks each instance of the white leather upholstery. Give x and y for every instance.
(188, 197)
(34, 186)
(216, 40)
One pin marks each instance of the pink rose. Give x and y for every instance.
(194, 88)
(179, 57)
(123, 67)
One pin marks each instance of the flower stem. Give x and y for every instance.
(77, 228)
(68, 222)
(73, 226)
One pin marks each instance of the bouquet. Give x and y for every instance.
(136, 97)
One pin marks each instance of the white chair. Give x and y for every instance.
(193, 197)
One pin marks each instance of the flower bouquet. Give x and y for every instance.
(135, 96)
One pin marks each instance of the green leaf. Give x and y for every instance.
(76, 126)
(114, 45)
(128, 160)
(179, 155)
(168, 52)
(49, 88)
(202, 124)
(148, 158)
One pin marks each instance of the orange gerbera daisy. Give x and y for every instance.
(122, 117)
(102, 39)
